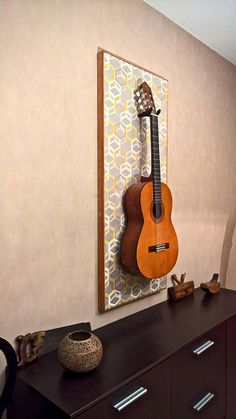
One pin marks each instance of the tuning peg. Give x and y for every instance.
(158, 112)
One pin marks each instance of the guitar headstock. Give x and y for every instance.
(144, 100)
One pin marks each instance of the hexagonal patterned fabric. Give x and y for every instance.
(126, 157)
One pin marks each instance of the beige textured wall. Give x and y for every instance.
(48, 159)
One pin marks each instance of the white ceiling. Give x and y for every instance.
(211, 21)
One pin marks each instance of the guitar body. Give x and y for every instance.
(149, 246)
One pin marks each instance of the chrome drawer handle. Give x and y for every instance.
(204, 347)
(130, 399)
(198, 406)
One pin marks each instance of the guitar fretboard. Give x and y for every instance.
(156, 170)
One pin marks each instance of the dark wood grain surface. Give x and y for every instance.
(132, 346)
(215, 409)
(231, 368)
(191, 372)
(155, 401)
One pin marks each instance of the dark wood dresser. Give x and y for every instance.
(175, 360)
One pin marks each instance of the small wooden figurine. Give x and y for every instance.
(34, 341)
(182, 289)
(211, 286)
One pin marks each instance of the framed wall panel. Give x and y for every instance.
(123, 156)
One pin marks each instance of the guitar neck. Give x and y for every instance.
(156, 169)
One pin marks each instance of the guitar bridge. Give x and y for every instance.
(158, 247)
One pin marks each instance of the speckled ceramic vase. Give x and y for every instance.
(80, 351)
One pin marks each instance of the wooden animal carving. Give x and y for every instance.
(28, 347)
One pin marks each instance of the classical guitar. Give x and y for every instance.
(149, 245)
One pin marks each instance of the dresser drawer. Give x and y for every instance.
(148, 397)
(197, 364)
(209, 403)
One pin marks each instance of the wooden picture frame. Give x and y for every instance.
(123, 156)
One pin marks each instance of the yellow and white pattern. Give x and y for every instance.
(126, 158)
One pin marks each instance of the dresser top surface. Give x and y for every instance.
(132, 346)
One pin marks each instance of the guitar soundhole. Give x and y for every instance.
(157, 211)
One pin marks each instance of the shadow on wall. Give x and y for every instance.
(228, 255)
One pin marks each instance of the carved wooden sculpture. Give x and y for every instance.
(211, 286)
(182, 289)
(28, 347)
